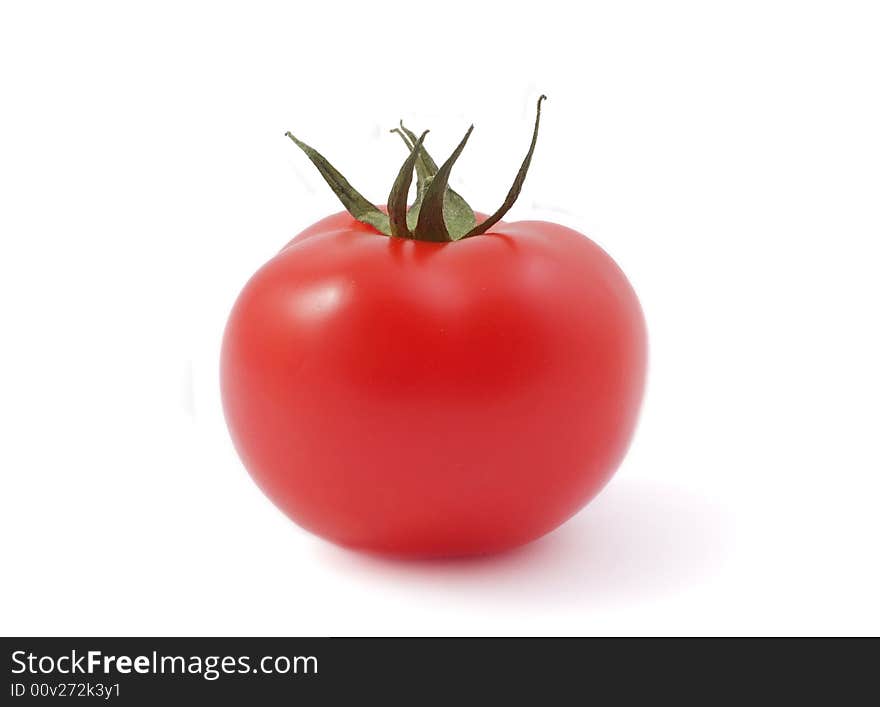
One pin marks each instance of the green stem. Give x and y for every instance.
(438, 214)
(400, 191)
(356, 204)
(513, 194)
(432, 224)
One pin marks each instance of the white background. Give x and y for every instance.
(726, 154)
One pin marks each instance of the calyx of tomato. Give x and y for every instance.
(438, 213)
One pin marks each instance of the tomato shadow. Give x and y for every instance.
(637, 540)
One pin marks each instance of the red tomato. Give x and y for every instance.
(434, 399)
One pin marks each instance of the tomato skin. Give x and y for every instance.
(434, 399)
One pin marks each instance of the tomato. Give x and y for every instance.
(431, 399)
